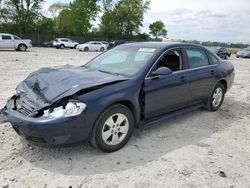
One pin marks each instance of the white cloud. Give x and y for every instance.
(218, 20)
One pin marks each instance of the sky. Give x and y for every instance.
(203, 20)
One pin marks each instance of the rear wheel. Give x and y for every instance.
(216, 99)
(22, 47)
(113, 128)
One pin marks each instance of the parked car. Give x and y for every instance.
(92, 46)
(64, 43)
(105, 42)
(48, 44)
(127, 87)
(115, 43)
(223, 53)
(8, 41)
(243, 53)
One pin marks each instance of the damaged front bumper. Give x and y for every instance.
(47, 132)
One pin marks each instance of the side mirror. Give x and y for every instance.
(161, 71)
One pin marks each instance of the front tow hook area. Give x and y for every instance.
(2, 117)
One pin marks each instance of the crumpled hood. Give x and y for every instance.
(48, 85)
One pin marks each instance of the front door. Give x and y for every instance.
(167, 93)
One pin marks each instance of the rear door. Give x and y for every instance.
(7, 41)
(203, 74)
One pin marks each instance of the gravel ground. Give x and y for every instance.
(199, 149)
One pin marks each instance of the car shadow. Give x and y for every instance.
(146, 145)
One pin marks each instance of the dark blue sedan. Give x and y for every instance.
(129, 86)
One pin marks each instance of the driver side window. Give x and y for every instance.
(172, 59)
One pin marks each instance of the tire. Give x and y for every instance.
(22, 47)
(102, 49)
(62, 46)
(217, 97)
(75, 46)
(86, 49)
(237, 56)
(108, 135)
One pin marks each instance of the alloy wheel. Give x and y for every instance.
(115, 129)
(217, 97)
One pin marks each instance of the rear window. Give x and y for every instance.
(6, 37)
(197, 58)
(213, 60)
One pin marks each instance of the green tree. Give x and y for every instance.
(22, 13)
(83, 12)
(129, 15)
(76, 18)
(56, 8)
(108, 27)
(157, 29)
(123, 18)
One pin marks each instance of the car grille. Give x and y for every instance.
(23, 108)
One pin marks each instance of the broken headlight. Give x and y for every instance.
(72, 108)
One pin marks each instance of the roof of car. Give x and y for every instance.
(159, 44)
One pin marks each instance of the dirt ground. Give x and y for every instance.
(199, 149)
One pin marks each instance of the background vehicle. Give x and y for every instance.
(8, 41)
(223, 53)
(105, 42)
(48, 44)
(115, 43)
(243, 53)
(64, 43)
(92, 46)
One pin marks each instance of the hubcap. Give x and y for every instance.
(115, 129)
(22, 47)
(217, 97)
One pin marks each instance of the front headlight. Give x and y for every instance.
(72, 108)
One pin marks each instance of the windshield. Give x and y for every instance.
(123, 60)
(16, 37)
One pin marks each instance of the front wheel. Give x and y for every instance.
(22, 48)
(113, 128)
(216, 99)
(102, 49)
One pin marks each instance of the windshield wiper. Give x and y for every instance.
(109, 73)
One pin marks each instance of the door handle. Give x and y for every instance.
(212, 72)
(182, 78)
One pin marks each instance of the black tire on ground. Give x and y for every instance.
(75, 46)
(97, 140)
(62, 46)
(210, 106)
(102, 49)
(22, 47)
(86, 49)
(237, 56)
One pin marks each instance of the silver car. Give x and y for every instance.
(245, 53)
(92, 46)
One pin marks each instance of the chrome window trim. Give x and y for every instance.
(147, 76)
(180, 71)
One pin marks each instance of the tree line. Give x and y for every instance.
(107, 18)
